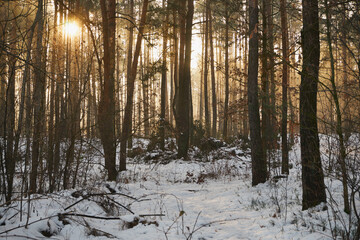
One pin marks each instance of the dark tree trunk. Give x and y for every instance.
(285, 55)
(246, 65)
(312, 173)
(10, 113)
(273, 115)
(38, 100)
(257, 153)
(185, 78)
(50, 154)
(265, 107)
(163, 81)
(129, 58)
(3, 62)
(59, 103)
(107, 100)
(24, 90)
(212, 67)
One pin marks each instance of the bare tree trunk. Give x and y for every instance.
(285, 55)
(130, 56)
(39, 105)
(212, 67)
(163, 80)
(185, 77)
(3, 63)
(201, 97)
(206, 71)
(257, 153)
(9, 127)
(226, 104)
(273, 121)
(176, 67)
(126, 131)
(246, 99)
(50, 153)
(292, 112)
(246, 66)
(339, 127)
(312, 173)
(265, 106)
(345, 63)
(171, 113)
(59, 103)
(107, 101)
(145, 87)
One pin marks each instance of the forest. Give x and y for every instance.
(180, 119)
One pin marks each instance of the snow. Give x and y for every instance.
(208, 197)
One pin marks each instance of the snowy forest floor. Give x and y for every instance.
(161, 197)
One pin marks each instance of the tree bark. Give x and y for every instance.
(107, 102)
(257, 153)
(185, 78)
(38, 103)
(285, 55)
(265, 106)
(10, 112)
(212, 67)
(130, 56)
(176, 67)
(50, 153)
(273, 115)
(226, 103)
(206, 71)
(163, 80)
(312, 173)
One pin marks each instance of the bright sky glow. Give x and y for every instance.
(196, 52)
(71, 28)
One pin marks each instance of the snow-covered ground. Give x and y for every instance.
(161, 198)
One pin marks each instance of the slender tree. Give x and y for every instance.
(126, 131)
(226, 103)
(9, 126)
(38, 99)
(212, 67)
(339, 127)
(206, 70)
(265, 115)
(164, 79)
(285, 55)
(130, 55)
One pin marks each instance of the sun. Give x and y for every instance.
(71, 28)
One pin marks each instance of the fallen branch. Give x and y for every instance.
(75, 203)
(100, 194)
(107, 218)
(152, 215)
(18, 236)
(21, 226)
(95, 231)
(120, 204)
(89, 216)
